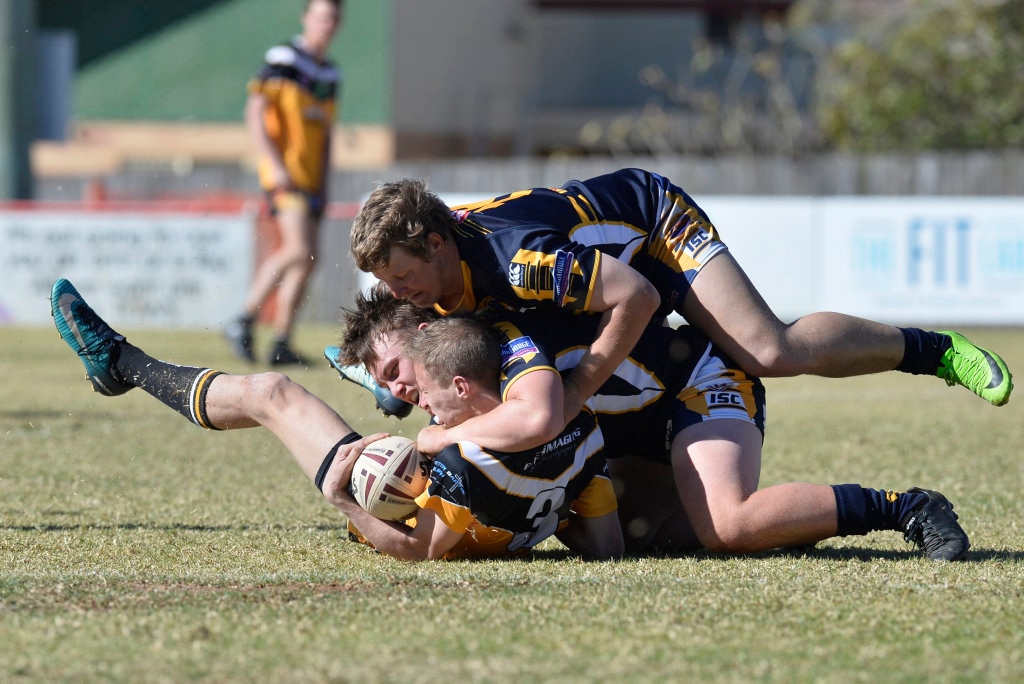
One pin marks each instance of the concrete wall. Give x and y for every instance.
(972, 174)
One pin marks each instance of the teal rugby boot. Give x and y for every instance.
(88, 335)
(389, 404)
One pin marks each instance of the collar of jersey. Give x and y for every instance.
(468, 302)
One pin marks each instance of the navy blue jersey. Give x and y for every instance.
(672, 378)
(508, 502)
(541, 248)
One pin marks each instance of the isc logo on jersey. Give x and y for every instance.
(720, 398)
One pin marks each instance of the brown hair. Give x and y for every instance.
(376, 314)
(340, 4)
(398, 214)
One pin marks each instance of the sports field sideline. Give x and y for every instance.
(137, 547)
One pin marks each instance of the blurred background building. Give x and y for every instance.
(765, 110)
(723, 85)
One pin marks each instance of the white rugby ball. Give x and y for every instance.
(388, 476)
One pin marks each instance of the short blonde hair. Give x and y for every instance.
(457, 345)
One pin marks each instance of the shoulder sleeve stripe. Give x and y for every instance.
(505, 389)
(280, 54)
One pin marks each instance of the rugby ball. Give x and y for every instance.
(388, 476)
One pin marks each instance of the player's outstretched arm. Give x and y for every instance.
(430, 539)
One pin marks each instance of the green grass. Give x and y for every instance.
(137, 547)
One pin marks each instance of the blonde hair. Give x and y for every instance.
(457, 345)
(398, 214)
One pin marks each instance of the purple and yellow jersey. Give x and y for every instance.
(302, 94)
(542, 247)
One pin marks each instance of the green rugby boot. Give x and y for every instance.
(88, 335)
(977, 369)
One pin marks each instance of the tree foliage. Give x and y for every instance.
(925, 75)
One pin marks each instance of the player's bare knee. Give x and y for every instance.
(295, 258)
(267, 393)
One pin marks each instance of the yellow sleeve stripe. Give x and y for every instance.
(598, 255)
(504, 391)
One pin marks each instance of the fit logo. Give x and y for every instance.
(938, 252)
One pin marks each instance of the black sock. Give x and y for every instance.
(183, 388)
(863, 510)
(922, 351)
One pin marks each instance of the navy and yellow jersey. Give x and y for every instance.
(516, 500)
(481, 541)
(672, 378)
(542, 247)
(302, 94)
(716, 390)
(478, 541)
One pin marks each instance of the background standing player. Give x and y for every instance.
(290, 111)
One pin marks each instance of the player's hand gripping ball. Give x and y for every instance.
(388, 476)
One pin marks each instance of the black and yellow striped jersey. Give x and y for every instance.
(672, 378)
(505, 503)
(541, 248)
(302, 94)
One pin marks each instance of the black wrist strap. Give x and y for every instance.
(329, 459)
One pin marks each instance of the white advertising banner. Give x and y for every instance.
(774, 240)
(904, 260)
(930, 260)
(139, 269)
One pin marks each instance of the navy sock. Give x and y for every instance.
(182, 388)
(863, 510)
(922, 351)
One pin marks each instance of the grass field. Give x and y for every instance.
(137, 547)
